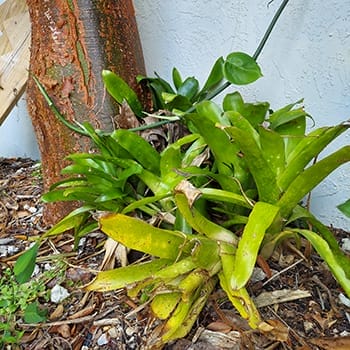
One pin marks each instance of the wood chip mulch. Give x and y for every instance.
(301, 303)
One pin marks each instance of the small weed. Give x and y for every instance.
(37, 171)
(21, 300)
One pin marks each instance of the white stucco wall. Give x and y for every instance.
(308, 55)
(17, 137)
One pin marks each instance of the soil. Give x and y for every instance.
(303, 308)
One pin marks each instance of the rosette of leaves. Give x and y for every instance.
(260, 162)
(242, 168)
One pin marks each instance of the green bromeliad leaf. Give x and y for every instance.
(215, 77)
(327, 254)
(124, 276)
(139, 148)
(260, 168)
(310, 178)
(121, 91)
(260, 219)
(137, 234)
(185, 195)
(308, 148)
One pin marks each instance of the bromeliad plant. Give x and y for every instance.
(241, 168)
(258, 175)
(206, 206)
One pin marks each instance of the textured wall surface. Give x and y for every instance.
(17, 135)
(307, 56)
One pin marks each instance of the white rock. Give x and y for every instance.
(36, 270)
(345, 244)
(129, 331)
(32, 210)
(102, 340)
(258, 275)
(58, 294)
(344, 300)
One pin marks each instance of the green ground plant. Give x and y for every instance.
(19, 300)
(207, 205)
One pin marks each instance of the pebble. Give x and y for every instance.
(32, 210)
(344, 300)
(258, 275)
(345, 244)
(102, 340)
(58, 294)
(129, 331)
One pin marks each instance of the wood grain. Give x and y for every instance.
(14, 53)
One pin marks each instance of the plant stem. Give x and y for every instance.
(223, 87)
(256, 53)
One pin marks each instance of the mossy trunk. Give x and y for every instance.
(72, 41)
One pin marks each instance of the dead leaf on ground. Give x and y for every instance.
(219, 326)
(275, 330)
(57, 313)
(82, 313)
(63, 330)
(337, 343)
(280, 296)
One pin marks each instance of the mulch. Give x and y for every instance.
(300, 303)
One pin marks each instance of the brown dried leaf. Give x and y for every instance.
(126, 118)
(75, 274)
(63, 330)
(191, 192)
(218, 326)
(218, 340)
(82, 313)
(324, 322)
(113, 251)
(57, 313)
(339, 343)
(22, 214)
(275, 330)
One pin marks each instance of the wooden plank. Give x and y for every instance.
(14, 53)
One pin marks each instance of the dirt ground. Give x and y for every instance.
(300, 302)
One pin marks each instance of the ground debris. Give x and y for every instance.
(316, 317)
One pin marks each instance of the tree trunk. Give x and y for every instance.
(72, 41)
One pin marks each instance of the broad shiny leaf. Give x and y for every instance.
(259, 220)
(241, 69)
(25, 264)
(121, 91)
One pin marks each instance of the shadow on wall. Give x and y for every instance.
(22, 142)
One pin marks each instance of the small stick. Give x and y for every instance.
(282, 271)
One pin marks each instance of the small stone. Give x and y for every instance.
(345, 244)
(258, 275)
(102, 340)
(58, 294)
(308, 326)
(129, 331)
(113, 333)
(344, 300)
(48, 267)
(8, 250)
(32, 210)
(36, 270)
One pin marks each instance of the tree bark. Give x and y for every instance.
(72, 41)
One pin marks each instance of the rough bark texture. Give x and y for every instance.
(72, 41)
